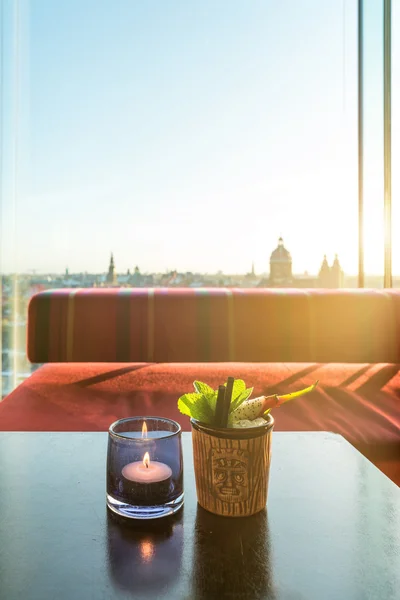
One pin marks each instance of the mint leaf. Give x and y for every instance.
(209, 394)
(186, 403)
(201, 411)
(212, 400)
(238, 387)
(201, 404)
(196, 406)
(202, 388)
(241, 398)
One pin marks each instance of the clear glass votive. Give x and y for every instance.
(144, 467)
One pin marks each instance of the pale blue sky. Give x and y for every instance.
(186, 134)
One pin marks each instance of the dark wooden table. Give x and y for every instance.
(331, 530)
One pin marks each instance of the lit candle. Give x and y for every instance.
(147, 441)
(147, 482)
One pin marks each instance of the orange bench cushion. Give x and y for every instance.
(359, 401)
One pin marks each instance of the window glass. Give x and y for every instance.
(373, 142)
(396, 142)
(185, 138)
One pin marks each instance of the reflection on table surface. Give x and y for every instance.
(144, 557)
(231, 557)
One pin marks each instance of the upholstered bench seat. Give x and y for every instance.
(112, 353)
(359, 401)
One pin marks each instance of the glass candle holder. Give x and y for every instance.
(144, 467)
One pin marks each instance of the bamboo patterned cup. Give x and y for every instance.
(232, 467)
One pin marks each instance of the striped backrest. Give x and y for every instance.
(214, 325)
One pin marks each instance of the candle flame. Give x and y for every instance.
(144, 430)
(146, 460)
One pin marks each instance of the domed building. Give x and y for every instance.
(280, 266)
(280, 273)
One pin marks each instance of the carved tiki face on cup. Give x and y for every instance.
(232, 467)
(229, 470)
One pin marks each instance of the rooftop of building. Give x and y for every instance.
(280, 254)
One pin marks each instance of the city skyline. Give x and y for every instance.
(326, 261)
(253, 268)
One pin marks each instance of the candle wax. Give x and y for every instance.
(146, 485)
(139, 473)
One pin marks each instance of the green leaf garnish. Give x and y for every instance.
(202, 388)
(186, 402)
(201, 404)
(241, 398)
(196, 406)
(238, 387)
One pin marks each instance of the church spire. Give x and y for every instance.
(111, 275)
(324, 266)
(337, 273)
